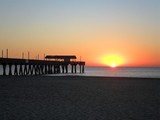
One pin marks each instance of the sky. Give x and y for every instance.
(100, 32)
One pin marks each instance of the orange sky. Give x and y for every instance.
(94, 30)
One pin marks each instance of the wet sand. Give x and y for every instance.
(79, 98)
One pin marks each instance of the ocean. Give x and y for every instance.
(143, 72)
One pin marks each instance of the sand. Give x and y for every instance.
(79, 98)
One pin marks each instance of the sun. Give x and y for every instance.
(112, 60)
(113, 65)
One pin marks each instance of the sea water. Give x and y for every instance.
(144, 72)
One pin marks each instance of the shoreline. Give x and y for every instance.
(91, 77)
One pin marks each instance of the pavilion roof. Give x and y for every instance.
(60, 57)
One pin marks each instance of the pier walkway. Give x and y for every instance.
(51, 65)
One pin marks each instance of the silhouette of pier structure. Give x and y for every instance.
(52, 64)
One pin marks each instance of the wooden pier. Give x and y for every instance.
(51, 65)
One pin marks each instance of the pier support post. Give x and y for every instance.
(37, 71)
(45, 69)
(49, 69)
(34, 69)
(25, 69)
(31, 69)
(75, 69)
(15, 70)
(41, 69)
(83, 69)
(80, 67)
(55, 69)
(59, 69)
(21, 70)
(66, 66)
(62, 68)
(4, 69)
(27, 72)
(72, 68)
(10, 69)
(52, 69)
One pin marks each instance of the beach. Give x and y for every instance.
(79, 98)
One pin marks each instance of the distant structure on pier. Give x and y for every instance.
(65, 58)
(53, 64)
